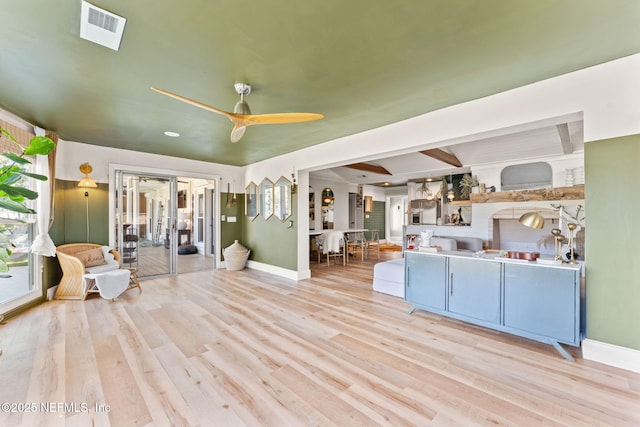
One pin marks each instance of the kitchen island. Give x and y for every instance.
(531, 299)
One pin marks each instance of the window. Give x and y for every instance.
(19, 285)
(526, 176)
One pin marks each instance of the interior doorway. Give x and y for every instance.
(396, 218)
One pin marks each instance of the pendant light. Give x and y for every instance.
(450, 194)
(532, 220)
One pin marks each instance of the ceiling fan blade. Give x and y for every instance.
(241, 121)
(238, 131)
(193, 102)
(276, 118)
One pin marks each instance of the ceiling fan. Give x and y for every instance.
(241, 116)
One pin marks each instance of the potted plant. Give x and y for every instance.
(14, 194)
(466, 185)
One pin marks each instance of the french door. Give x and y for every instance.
(204, 237)
(20, 284)
(146, 232)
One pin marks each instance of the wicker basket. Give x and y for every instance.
(235, 256)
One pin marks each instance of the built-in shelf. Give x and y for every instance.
(544, 194)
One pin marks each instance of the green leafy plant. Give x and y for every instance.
(466, 184)
(14, 195)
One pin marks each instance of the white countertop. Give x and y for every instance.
(493, 257)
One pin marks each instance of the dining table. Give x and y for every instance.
(346, 232)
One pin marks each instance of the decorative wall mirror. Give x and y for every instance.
(327, 209)
(282, 198)
(251, 201)
(266, 198)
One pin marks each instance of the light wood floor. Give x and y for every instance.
(234, 348)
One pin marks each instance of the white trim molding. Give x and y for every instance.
(278, 271)
(613, 355)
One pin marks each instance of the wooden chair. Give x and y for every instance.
(373, 243)
(356, 243)
(328, 243)
(71, 285)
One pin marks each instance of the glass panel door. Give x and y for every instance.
(198, 226)
(18, 285)
(146, 234)
(21, 283)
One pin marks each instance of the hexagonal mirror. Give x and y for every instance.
(251, 201)
(266, 198)
(282, 198)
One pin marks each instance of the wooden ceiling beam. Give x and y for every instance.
(565, 138)
(369, 168)
(443, 156)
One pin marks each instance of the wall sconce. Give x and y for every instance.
(294, 185)
(86, 181)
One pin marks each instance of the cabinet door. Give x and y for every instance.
(542, 300)
(474, 288)
(425, 280)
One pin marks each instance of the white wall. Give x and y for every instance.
(70, 155)
(605, 96)
(341, 192)
(490, 174)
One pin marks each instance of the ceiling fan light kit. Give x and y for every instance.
(242, 116)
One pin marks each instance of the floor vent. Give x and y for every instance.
(100, 26)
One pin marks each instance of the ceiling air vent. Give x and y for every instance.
(101, 27)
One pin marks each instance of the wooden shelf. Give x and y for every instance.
(544, 194)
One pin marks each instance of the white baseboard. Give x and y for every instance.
(609, 354)
(51, 292)
(278, 271)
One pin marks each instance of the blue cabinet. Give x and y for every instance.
(543, 301)
(425, 280)
(535, 301)
(474, 288)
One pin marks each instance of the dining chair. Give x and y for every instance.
(332, 244)
(356, 242)
(373, 243)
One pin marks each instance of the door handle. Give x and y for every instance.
(451, 284)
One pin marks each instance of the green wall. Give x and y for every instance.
(270, 241)
(230, 231)
(375, 220)
(70, 222)
(70, 214)
(612, 235)
(69, 225)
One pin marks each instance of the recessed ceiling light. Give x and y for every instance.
(172, 134)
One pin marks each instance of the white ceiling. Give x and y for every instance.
(533, 141)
